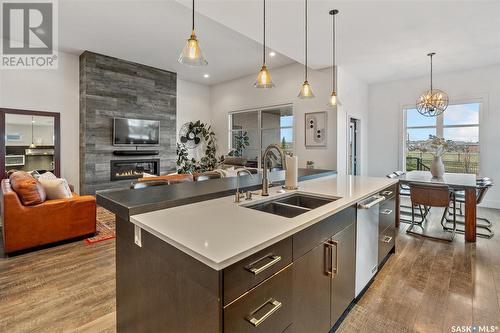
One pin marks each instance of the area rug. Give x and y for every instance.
(105, 226)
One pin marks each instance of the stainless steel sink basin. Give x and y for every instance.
(291, 205)
(305, 201)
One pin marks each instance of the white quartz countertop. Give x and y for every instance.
(220, 232)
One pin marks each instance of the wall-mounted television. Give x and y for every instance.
(136, 132)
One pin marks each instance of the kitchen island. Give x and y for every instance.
(220, 266)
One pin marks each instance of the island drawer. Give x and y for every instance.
(386, 241)
(267, 308)
(387, 214)
(249, 272)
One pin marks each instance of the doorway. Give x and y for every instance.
(353, 147)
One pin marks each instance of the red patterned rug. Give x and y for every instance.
(105, 226)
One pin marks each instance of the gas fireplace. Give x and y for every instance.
(132, 169)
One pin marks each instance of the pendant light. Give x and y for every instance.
(333, 97)
(433, 102)
(264, 77)
(32, 145)
(305, 91)
(191, 54)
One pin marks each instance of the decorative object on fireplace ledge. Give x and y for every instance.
(207, 162)
(315, 129)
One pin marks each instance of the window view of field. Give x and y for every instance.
(459, 123)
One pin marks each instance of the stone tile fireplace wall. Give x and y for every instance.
(110, 87)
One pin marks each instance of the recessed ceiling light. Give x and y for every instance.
(206, 76)
(272, 54)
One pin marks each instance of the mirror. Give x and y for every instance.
(30, 141)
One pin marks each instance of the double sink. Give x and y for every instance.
(292, 205)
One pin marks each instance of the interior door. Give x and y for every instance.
(342, 291)
(311, 287)
(353, 147)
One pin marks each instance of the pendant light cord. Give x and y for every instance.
(306, 37)
(431, 70)
(334, 50)
(264, 36)
(32, 124)
(193, 18)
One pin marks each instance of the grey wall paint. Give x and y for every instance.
(110, 87)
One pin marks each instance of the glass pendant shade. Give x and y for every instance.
(305, 91)
(191, 54)
(333, 99)
(264, 79)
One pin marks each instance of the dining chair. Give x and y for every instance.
(483, 225)
(404, 191)
(432, 195)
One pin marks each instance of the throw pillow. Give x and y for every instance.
(47, 175)
(28, 189)
(57, 188)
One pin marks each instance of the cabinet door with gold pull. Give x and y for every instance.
(343, 267)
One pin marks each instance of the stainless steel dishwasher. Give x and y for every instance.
(367, 225)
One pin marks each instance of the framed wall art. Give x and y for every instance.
(316, 129)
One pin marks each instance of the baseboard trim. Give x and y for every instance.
(490, 204)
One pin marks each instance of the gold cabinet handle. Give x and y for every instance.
(257, 321)
(386, 212)
(386, 239)
(257, 270)
(386, 193)
(333, 261)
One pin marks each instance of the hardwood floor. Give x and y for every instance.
(427, 286)
(67, 288)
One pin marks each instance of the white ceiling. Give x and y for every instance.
(377, 40)
(154, 33)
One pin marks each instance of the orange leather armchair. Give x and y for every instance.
(51, 221)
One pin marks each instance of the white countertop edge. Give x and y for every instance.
(235, 258)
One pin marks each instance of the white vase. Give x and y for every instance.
(437, 167)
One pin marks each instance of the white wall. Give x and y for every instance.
(193, 103)
(240, 94)
(53, 91)
(353, 97)
(386, 101)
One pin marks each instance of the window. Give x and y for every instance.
(460, 123)
(251, 132)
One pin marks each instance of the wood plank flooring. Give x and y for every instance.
(427, 286)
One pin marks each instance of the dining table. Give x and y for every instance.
(456, 181)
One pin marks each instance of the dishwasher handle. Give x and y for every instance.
(369, 203)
